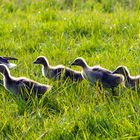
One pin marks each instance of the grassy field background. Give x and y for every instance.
(104, 32)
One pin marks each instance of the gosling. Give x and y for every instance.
(98, 74)
(57, 72)
(130, 81)
(22, 85)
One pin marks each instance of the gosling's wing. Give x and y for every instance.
(100, 69)
(111, 80)
(57, 72)
(97, 74)
(77, 76)
(72, 74)
(24, 86)
(92, 76)
(27, 87)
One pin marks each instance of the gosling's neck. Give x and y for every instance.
(126, 75)
(45, 68)
(6, 74)
(84, 65)
(46, 64)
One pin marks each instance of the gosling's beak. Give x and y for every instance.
(35, 62)
(73, 63)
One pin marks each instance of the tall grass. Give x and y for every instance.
(104, 32)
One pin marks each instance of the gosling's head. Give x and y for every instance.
(4, 60)
(121, 70)
(3, 68)
(41, 60)
(79, 62)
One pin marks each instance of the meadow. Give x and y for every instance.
(104, 32)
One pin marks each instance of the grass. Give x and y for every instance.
(104, 32)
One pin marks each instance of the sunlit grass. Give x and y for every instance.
(104, 32)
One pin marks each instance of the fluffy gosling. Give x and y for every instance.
(57, 72)
(130, 81)
(22, 85)
(98, 74)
